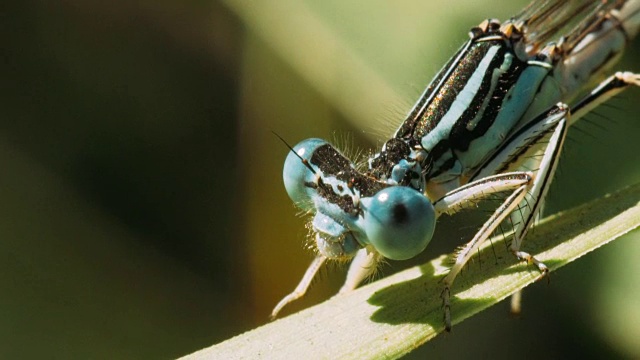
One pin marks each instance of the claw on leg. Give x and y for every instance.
(529, 259)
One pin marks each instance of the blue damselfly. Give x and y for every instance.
(493, 120)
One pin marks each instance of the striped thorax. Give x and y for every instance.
(493, 120)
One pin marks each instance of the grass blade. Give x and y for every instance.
(392, 316)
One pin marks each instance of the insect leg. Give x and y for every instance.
(302, 287)
(483, 188)
(363, 265)
(537, 193)
(608, 88)
(604, 91)
(535, 186)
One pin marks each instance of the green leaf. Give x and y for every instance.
(392, 316)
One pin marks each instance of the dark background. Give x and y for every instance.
(143, 212)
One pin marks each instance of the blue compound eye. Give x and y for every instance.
(297, 175)
(399, 222)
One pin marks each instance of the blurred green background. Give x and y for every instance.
(143, 212)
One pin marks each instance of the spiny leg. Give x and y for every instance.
(522, 143)
(487, 229)
(548, 165)
(302, 287)
(608, 88)
(525, 216)
(604, 91)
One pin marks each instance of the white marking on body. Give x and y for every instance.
(461, 103)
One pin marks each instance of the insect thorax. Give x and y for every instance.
(480, 97)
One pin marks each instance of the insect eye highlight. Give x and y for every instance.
(399, 222)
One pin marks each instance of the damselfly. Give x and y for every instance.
(493, 120)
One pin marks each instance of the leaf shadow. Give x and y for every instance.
(491, 262)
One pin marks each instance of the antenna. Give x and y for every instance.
(304, 161)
